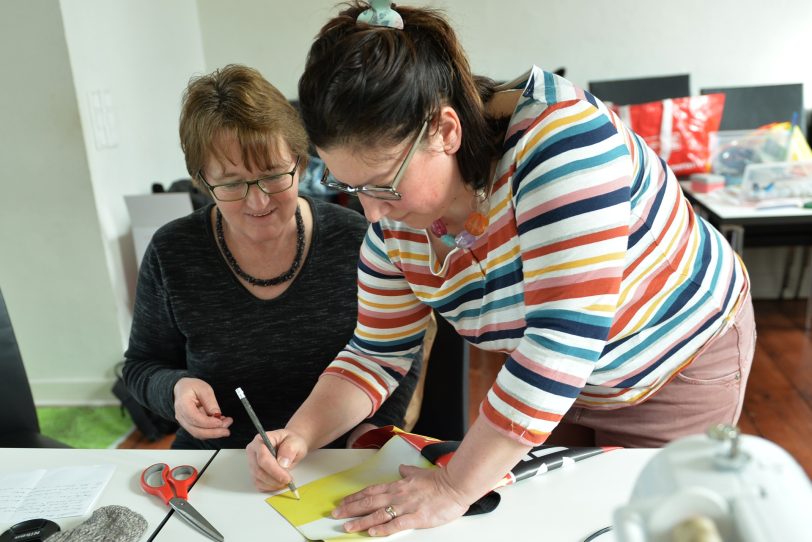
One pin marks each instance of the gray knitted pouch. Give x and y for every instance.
(106, 524)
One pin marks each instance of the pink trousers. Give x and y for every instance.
(707, 392)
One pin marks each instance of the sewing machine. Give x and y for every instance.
(717, 487)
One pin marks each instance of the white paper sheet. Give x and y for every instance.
(52, 493)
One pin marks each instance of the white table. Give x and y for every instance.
(562, 505)
(124, 487)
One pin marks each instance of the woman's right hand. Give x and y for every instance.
(271, 473)
(197, 410)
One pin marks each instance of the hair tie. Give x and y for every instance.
(380, 13)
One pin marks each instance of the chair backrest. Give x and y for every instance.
(751, 107)
(17, 410)
(641, 90)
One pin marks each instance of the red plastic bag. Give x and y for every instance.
(677, 129)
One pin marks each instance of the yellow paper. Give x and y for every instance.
(798, 147)
(311, 515)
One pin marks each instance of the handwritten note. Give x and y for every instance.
(51, 493)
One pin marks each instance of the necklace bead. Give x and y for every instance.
(464, 239)
(438, 228)
(448, 240)
(284, 277)
(475, 225)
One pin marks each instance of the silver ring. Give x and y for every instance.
(391, 511)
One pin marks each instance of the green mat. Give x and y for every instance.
(85, 427)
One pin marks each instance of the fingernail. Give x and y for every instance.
(335, 513)
(284, 462)
(218, 414)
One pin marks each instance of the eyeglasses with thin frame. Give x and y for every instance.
(270, 184)
(387, 192)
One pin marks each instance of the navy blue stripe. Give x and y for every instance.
(600, 201)
(369, 271)
(575, 141)
(507, 278)
(531, 85)
(678, 304)
(540, 382)
(629, 382)
(511, 141)
(502, 334)
(386, 347)
(578, 329)
(638, 179)
(655, 207)
(456, 301)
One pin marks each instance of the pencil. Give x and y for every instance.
(261, 431)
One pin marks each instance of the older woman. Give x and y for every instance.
(258, 289)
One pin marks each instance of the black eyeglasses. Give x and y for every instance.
(270, 184)
(379, 192)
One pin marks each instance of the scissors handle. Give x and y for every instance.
(182, 478)
(154, 481)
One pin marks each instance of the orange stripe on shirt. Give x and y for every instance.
(533, 437)
(364, 370)
(373, 395)
(524, 408)
(587, 288)
(620, 231)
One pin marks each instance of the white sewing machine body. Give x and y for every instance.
(750, 488)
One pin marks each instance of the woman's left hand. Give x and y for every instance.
(423, 498)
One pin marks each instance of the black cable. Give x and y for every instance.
(597, 533)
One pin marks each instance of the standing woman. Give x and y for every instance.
(258, 289)
(538, 225)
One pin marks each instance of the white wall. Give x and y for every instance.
(719, 42)
(68, 268)
(52, 262)
(138, 56)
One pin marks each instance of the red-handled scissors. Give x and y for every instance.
(173, 487)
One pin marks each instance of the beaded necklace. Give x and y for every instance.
(475, 225)
(286, 276)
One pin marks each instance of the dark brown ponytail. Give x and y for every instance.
(368, 85)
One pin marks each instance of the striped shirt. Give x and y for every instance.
(595, 275)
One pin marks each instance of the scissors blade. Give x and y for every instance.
(188, 512)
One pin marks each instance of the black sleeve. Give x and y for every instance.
(155, 358)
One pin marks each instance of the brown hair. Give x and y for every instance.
(237, 100)
(369, 85)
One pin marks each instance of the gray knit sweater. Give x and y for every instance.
(192, 317)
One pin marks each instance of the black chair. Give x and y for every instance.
(642, 90)
(19, 426)
(751, 107)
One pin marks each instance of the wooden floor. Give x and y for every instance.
(778, 402)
